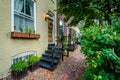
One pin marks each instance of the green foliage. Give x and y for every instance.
(21, 29)
(65, 45)
(88, 10)
(29, 30)
(101, 45)
(19, 66)
(65, 38)
(33, 59)
(65, 42)
(74, 38)
(34, 31)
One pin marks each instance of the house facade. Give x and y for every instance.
(26, 27)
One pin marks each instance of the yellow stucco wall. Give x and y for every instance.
(10, 47)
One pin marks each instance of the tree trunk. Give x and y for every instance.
(108, 13)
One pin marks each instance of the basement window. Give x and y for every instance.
(23, 56)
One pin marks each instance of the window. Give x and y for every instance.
(24, 17)
(23, 56)
(61, 28)
(53, 1)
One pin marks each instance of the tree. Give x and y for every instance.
(100, 44)
(88, 10)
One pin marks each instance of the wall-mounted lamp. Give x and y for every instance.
(46, 16)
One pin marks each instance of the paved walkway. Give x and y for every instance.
(70, 69)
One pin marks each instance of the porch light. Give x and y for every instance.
(46, 16)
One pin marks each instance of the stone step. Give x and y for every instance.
(49, 51)
(56, 56)
(50, 60)
(46, 65)
(51, 47)
(52, 44)
(59, 51)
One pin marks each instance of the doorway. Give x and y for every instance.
(50, 30)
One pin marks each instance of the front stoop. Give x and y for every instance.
(50, 59)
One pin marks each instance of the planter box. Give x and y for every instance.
(24, 35)
(18, 75)
(37, 35)
(34, 36)
(19, 35)
(34, 66)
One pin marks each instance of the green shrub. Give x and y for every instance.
(33, 59)
(101, 46)
(65, 45)
(19, 66)
(64, 38)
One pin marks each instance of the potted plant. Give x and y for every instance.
(33, 62)
(19, 69)
(28, 34)
(32, 34)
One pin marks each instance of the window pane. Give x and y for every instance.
(18, 23)
(17, 60)
(14, 61)
(27, 56)
(29, 8)
(19, 5)
(24, 57)
(61, 28)
(30, 25)
(20, 58)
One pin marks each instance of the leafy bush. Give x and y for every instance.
(33, 59)
(65, 45)
(65, 39)
(19, 66)
(101, 45)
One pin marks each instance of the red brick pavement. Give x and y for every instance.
(70, 69)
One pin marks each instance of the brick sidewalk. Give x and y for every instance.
(70, 69)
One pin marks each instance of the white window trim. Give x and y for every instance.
(35, 16)
(12, 15)
(53, 1)
(23, 54)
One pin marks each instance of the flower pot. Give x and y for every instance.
(18, 75)
(34, 66)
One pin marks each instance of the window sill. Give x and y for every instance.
(24, 35)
